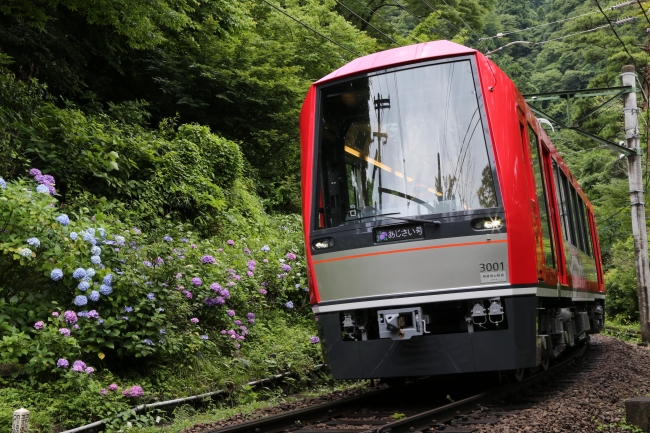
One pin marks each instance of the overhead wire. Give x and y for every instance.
(616, 34)
(463, 21)
(643, 10)
(310, 28)
(375, 13)
(440, 15)
(357, 15)
(416, 17)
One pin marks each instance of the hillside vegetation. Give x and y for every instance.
(150, 243)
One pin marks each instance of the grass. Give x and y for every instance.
(623, 330)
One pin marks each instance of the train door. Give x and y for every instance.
(556, 273)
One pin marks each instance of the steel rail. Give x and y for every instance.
(294, 419)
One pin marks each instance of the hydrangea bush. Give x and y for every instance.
(82, 289)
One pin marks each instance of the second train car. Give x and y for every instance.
(444, 233)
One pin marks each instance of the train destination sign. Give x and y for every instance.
(399, 233)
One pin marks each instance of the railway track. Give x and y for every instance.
(422, 406)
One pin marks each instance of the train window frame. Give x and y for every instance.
(537, 166)
(586, 228)
(561, 200)
(567, 197)
(575, 215)
(484, 127)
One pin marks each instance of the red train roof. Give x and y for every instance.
(398, 56)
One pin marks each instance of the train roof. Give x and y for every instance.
(399, 56)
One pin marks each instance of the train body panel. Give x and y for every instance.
(435, 210)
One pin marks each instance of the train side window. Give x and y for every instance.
(540, 191)
(561, 203)
(575, 216)
(568, 209)
(587, 229)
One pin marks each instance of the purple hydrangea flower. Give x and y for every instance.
(112, 387)
(136, 231)
(263, 291)
(163, 332)
(179, 276)
(159, 261)
(75, 326)
(250, 274)
(314, 340)
(204, 337)
(265, 260)
(128, 309)
(56, 274)
(147, 342)
(92, 314)
(250, 316)
(38, 325)
(134, 392)
(208, 260)
(187, 294)
(70, 317)
(185, 240)
(48, 180)
(168, 238)
(237, 322)
(216, 287)
(104, 391)
(35, 172)
(225, 293)
(62, 363)
(55, 314)
(147, 263)
(193, 246)
(290, 256)
(231, 313)
(285, 268)
(289, 305)
(230, 242)
(64, 331)
(89, 370)
(194, 320)
(150, 296)
(196, 281)
(247, 251)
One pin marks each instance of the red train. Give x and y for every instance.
(444, 233)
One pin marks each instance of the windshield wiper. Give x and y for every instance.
(412, 220)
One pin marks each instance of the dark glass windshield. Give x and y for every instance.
(404, 143)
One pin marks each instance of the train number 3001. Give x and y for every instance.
(489, 267)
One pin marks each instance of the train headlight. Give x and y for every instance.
(487, 223)
(321, 244)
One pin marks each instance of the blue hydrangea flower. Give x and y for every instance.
(168, 238)
(83, 286)
(160, 310)
(289, 305)
(119, 240)
(204, 337)
(43, 189)
(79, 273)
(95, 250)
(108, 279)
(265, 248)
(94, 296)
(82, 314)
(90, 231)
(102, 232)
(147, 342)
(90, 272)
(74, 236)
(162, 331)
(34, 242)
(105, 290)
(89, 238)
(150, 296)
(95, 260)
(63, 219)
(3, 184)
(25, 252)
(128, 309)
(80, 300)
(56, 274)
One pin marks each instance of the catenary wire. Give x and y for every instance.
(310, 28)
(416, 17)
(500, 35)
(463, 21)
(357, 15)
(643, 10)
(616, 34)
(375, 13)
(440, 15)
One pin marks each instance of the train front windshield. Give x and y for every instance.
(409, 143)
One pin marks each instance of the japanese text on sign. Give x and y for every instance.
(398, 234)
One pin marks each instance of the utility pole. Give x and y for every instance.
(635, 174)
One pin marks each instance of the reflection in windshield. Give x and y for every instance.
(408, 142)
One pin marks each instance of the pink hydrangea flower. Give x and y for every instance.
(112, 387)
(55, 314)
(38, 325)
(230, 242)
(263, 291)
(194, 320)
(64, 331)
(104, 391)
